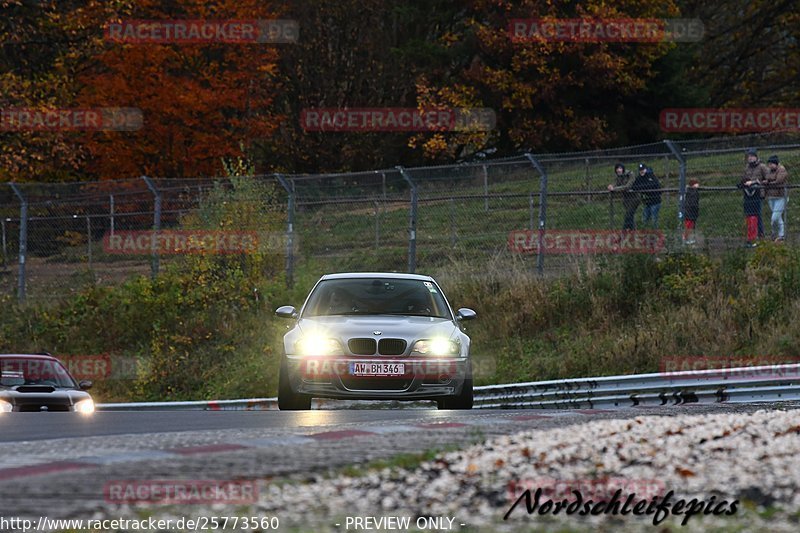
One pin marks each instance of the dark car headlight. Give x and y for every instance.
(437, 347)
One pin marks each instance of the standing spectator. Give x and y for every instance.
(630, 199)
(756, 171)
(751, 202)
(650, 187)
(777, 195)
(691, 210)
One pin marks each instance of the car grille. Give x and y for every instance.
(27, 405)
(391, 346)
(362, 346)
(38, 407)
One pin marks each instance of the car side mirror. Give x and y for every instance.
(85, 384)
(465, 313)
(286, 311)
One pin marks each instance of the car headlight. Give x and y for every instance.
(318, 345)
(85, 406)
(5, 407)
(438, 346)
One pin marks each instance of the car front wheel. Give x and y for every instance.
(288, 400)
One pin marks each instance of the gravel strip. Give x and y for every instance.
(749, 457)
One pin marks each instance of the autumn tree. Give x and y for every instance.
(199, 100)
(550, 95)
(40, 57)
(356, 54)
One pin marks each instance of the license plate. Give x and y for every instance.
(377, 369)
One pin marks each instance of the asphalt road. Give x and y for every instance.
(15, 427)
(61, 464)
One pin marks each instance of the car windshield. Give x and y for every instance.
(34, 371)
(376, 296)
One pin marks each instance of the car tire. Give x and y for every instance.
(463, 400)
(288, 400)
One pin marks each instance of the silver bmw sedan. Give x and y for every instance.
(376, 336)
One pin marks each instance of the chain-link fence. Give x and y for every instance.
(551, 210)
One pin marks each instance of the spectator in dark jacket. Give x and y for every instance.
(775, 185)
(751, 202)
(756, 171)
(691, 210)
(630, 199)
(649, 186)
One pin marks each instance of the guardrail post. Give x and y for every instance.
(412, 221)
(154, 257)
(681, 180)
(290, 208)
(23, 240)
(542, 210)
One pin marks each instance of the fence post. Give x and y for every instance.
(531, 224)
(3, 221)
(89, 239)
(377, 225)
(542, 210)
(681, 180)
(588, 186)
(154, 258)
(290, 207)
(111, 213)
(485, 189)
(452, 223)
(23, 240)
(412, 221)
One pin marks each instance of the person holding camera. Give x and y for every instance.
(630, 198)
(756, 172)
(751, 188)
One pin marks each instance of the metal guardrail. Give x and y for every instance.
(768, 383)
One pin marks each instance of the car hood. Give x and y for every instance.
(409, 328)
(46, 394)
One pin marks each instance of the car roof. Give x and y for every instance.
(391, 275)
(27, 356)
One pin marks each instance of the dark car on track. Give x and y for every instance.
(376, 336)
(40, 382)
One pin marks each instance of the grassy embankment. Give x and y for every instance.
(205, 327)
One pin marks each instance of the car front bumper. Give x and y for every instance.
(422, 378)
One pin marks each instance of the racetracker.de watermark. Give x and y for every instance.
(753, 367)
(395, 119)
(733, 120)
(177, 242)
(586, 242)
(73, 119)
(181, 491)
(605, 30)
(202, 31)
